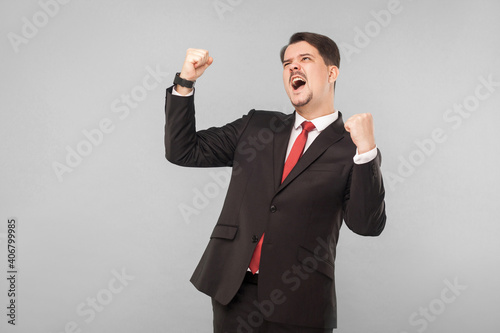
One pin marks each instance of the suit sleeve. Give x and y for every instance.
(364, 206)
(184, 146)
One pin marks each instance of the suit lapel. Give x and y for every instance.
(330, 135)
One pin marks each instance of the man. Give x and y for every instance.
(269, 265)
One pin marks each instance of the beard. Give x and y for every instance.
(303, 102)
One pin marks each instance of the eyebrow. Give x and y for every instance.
(300, 55)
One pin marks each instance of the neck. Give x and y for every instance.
(312, 111)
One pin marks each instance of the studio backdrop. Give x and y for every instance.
(100, 233)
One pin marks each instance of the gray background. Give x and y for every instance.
(120, 207)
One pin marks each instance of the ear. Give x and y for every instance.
(333, 73)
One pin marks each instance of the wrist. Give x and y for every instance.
(365, 148)
(182, 82)
(186, 77)
(182, 90)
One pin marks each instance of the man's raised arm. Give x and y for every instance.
(184, 145)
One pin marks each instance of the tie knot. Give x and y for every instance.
(308, 126)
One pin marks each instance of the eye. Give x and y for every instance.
(285, 64)
(306, 58)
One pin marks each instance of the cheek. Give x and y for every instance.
(317, 79)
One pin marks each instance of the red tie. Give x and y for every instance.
(293, 157)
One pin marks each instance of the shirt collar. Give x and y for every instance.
(320, 123)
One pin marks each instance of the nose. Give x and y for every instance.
(294, 66)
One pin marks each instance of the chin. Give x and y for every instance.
(298, 102)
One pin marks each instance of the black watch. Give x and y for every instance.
(182, 82)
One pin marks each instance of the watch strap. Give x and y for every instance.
(183, 82)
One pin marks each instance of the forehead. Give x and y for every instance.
(302, 47)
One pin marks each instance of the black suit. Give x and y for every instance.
(301, 217)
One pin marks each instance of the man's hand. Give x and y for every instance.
(361, 128)
(197, 60)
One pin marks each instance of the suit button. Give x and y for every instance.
(273, 209)
(255, 239)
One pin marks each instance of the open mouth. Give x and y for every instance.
(297, 82)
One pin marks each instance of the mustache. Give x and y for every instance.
(297, 73)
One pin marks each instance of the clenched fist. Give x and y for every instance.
(197, 60)
(361, 128)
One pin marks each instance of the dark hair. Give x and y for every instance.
(325, 46)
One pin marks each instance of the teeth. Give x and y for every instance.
(297, 82)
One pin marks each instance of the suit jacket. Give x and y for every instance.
(300, 217)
